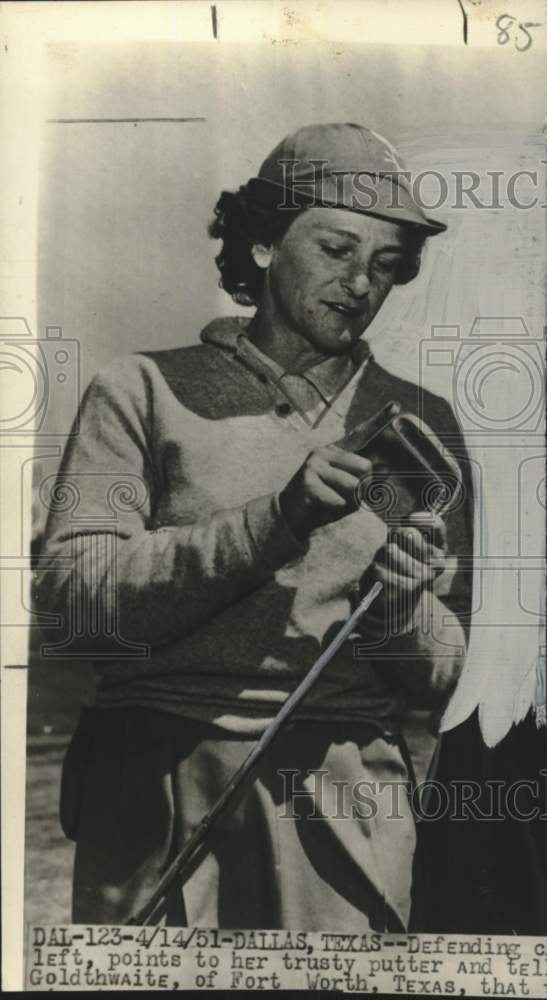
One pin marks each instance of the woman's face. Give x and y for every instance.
(329, 274)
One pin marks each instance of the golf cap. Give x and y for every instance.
(340, 165)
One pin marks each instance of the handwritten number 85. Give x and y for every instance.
(505, 22)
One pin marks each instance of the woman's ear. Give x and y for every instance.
(262, 256)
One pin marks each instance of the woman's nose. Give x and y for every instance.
(357, 283)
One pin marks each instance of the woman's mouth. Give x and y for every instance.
(344, 309)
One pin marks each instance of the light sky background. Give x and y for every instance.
(125, 262)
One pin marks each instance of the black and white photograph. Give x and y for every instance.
(274, 433)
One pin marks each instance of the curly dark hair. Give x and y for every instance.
(242, 222)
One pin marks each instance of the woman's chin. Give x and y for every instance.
(344, 340)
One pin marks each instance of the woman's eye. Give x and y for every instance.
(385, 266)
(339, 253)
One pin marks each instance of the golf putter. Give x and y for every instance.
(411, 469)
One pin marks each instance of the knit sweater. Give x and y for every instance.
(167, 560)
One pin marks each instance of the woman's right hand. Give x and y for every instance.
(324, 489)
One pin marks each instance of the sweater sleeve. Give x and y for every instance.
(104, 569)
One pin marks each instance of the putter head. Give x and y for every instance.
(411, 469)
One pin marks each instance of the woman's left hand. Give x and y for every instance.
(409, 562)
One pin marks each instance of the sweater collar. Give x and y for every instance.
(328, 376)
